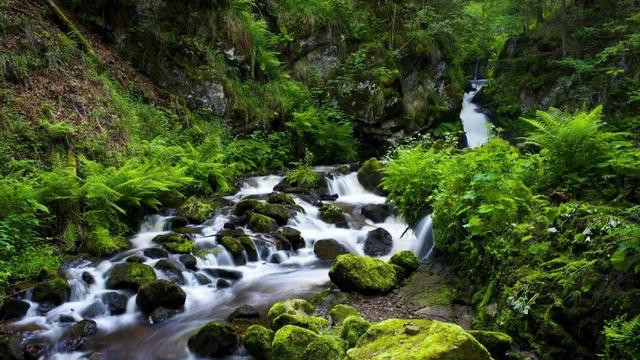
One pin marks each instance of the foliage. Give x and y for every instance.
(622, 339)
(303, 176)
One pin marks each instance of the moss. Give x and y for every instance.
(291, 306)
(417, 339)
(249, 247)
(197, 209)
(262, 224)
(244, 206)
(184, 247)
(275, 211)
(498, 343)
(362, 274)
(130, 276)
(325, 347)
(340, 312)
(331, 213)
(407, 260)
(233, 245)
(353, 327)
(257, 340)
(281, 198)
(55, 291)
(216, 338)
(290, 342)
(169, 237)
(313, 323)
(101, 243)
(370, 174)
(401, 273)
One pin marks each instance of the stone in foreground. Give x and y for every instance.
(216, 338)
(354, 273)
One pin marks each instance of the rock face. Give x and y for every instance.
(77, 335)
(55, 291)
(353, 273)
(130, 276)
(417, 339)
(378, 242)
(329, 249)
(13, 309)
(160, 293)
(257, 340)
(214, 339)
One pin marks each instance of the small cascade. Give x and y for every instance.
(278, 274)
(424, 233)
(474, 122)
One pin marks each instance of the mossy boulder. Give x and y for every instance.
(313, 323)
(12, 308)
(160, 293)
(101, 243)
(130, 276)
(498, 343)
(294, 237)
(370, 175)
(353, 327)
(400, 339)
(329, 249)
(216, 338)
(249, 247)
(261, 223)
(325, 347)
(332, 214)
(340, 312)
(275, 211)
(257, 339)
(185, 247)
(233, 245)
(407, 261)
(354, 273)
(292, 307)
(171, 237)
(197, 209)
(55, 291)
(244, 206)
(290, 343)
(280, 198)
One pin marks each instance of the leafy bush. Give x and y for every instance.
(622, 339)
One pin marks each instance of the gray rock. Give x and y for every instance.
(378, 242)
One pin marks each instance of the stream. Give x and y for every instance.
(277, 275)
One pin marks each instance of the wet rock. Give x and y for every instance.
(115, 302)
(184, 247)
(135, 259)
(234, 247)
(169, 238)
(88, 278)
(377, 213)
(11, 347)
(261, 223)
(214, 339)
(161, 314)
(332, 214)
(423, 339)
(344, 169)
(378, 242)
(245, 206)
(244, 312)
(202, 279)
(275, 211)
(257, 340)
(189, 261)
(156, 253)
(280, 198)
(45, 307)
(294, 238)
(94, 310)
(249, 247)
(229, 226)
(12, 309)
(276, 258)
(178, 222)
(198, 210)
(223, 284)
(353, 273)
(160, 293)
(66, 319)
(313, 323)
(54, 291)
(329, 197)
(228, 274)
(130, 276)
(497, 343)
(370, 175)
(35, 349)
(77, 335)
(171, 269)
(329, 249)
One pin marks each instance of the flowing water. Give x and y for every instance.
(474, 122)
(298, 273)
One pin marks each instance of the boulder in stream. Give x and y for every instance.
(130, 276)
(354, 273)
(378, 242)
(77, 334)
(329, 249)
(228, 274)
(244, 206)
(244, 312)
(261, 223)
(333, 214)
(54, 291)
(161, 314)
(115, 302)
(215, 339)
(290, 342)
(155, 253)
(257, 339)
(275, 211)
(497, 343)
(160, 293)
(340, 312)
(13, 308)
(280, 198)
(172, 269)
(423, 339)
(370, 175)
(189, 261)
(293, 236)
(377, 213)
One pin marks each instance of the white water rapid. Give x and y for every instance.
(277, 275)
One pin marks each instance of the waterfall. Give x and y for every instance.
(474, 122)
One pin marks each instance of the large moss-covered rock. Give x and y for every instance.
(326, 347)
(353, 273)
(340, 312)
(313, 323)
(130, 276)
(160, 293)
(353, 327)
(281, 198)
(292, 307)
(249, 247)
(293, 236)
(406, 260)
(175, 243)
(216, 338)
(498, 343)
(370, 175)
(417, 340)
(261, 223)
(233, 245)
(332, 214)
(245, 206)
(257, 340)
(290, 343)
(196, 209)
(55, 291)
(275, 211)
